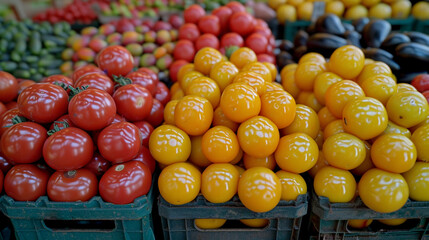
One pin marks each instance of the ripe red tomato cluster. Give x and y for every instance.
(77, 11)
(92, 139)
(421, 83)
(226, 26)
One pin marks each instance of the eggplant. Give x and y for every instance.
(283, 59)
(286, 45)
(382, 56)
(353, 38)
(299, 52)
(330, 23)
(360, 23)
(300, 38)
(393, 40)
(325, 43)
(348, 27)
(375, 32)
(418, 37)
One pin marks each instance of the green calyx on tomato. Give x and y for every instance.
(230, 50)
(18, 119)
(63, 124)
(75, 91)
(122, 81)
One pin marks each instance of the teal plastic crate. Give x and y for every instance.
(329, 220)
(284, 220)
(94, 219)
(422, 26)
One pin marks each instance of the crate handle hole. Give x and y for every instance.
(78, 225)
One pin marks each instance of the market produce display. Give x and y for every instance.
(76, 12)
(138, 9)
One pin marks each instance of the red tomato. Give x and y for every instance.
(85, 70)
(209, 24)
(176, 21)
(92, 109)
(421, 82)
(115, 60)
(1, 181)
(25, 182)
(59, 122)
(261, 23)
(207, 40)
(96, 81)
(150, 72)
(257, 43)
(23, 142)
(184, 50)
(266, 58)
(426, 95)
(24, 84)
(43, 102)
(8, 87)
(264, 31)
(242, 23)
(4, 164)
(72, 186)
(146, 130)
(11, 105)
(156, 114)
(162, 93)
(3, 109)
(236, 7)
(119, 142)
(118, 118)
(223, 13)
(175, 67)
(6, 119)
(145, 157)
(59, 79)
(231, 39)
(193, 13)
(133, 101)
(98, 164)
(143, 79)
(189, 31)
(68, 149)
(123, 183)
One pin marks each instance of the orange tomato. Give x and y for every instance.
(242, 56)
(255, 80)
(260, 69)
(267, 162)
(336, 184)
(321, 84)
(279, 107)
(306, 73)
(223, 73)
(219, 182)
(205, 59)
(240, 102)
(347, 61)
(206, 88)
(325, 117)
(344, 151)
(220, 144)
(293, 185)
(306, 121)
(193, 115)
(169, 144)
(197, 156)
(339, 94)
(219, 119)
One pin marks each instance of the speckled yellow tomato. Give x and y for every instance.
(407, 109)
(297, 153)
(219, 182)
(336, 184)
(259, 189)
(258, 136)
(293, 185)
(220, 144)
(240, 102)
(383, 191)
(344, 151)
(418, 181)
(279, 107)
(169, 144)
(179, 183)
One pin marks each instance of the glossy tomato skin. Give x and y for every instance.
(25, 182)
(145, 157)
(68, 149)
(231, 39)
(92, 109)
(143, 79)
(257, 43)
(162, 93)
(115, 60)
(184, 50)
(4, 164)
(60, 122)
(193, 13)
(133, 101)
(146, 130)
(242, 23)
(149, 71)
(98, 165)
(207, 40)
(421, 82)
(72, 186)
(156, 115)
(43, 102)
(23, 142)
(123, 183)
(209, 24)
(85, 70)
(6, 119)
(119, 142)
(59, 79)
(8, 87)
(223, 13)
(189, 31)
(96, 81)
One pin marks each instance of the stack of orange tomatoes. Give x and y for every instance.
(374, 133)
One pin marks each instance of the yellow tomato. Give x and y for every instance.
(259, 189)
(220, 144)
(380, 87)
(305, 11)
(319, 140)
(366, 164)
(183, 70)
(259, 68)
(344, 151)
(193, 115)
(273, 70)
(255, 223)
(289, 84)
(179, 183)
(381, 11)
(383, 191)
(279, 107)
(312, 57)
(339, 94)
(405, 87)
(393, 128)
(306, 121)
(243, 56)
(356, 12)
(267, 162)
(223, 73)
(420, 139)
(401, 9)
(255, 80)
(206, 88)
(219, 182)
(258, 136)
(333, 128)
(407, 109)
(374, 69)
(273, 86)
(347, 61)
(176, 86)
(209, 223)
(418, 181)
(240, 102)
(297, 153)
(335, 7)
(306, 73)
(237, 158)
(205, 59)
(197, 156)
(179, 94)
(293, 185)
(188, 78)
(309, 99)
(219, 119)
(169, 112)
(325, 117)
(321, 162)
(286, 13)
(169, 144)
(288, 68)
(393, 222)
(321, 84)
(336, 184)
(359, 223)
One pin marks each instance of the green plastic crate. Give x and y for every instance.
(329, 220)
(284, 220)
(94, 219)
(422, 26)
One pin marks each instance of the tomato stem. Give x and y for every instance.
(122, 81)
(57, 127)
(17, 119)
(63, 85)
(75, 91)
